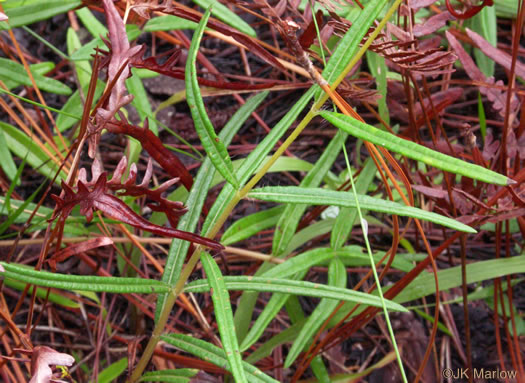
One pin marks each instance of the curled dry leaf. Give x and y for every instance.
(155, 148)
(42, 358)
(98, 198)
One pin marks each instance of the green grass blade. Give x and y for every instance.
(214, 147)
(82, 282)
(337, 278)
(113, 371)
(13, 216)
(23, 12)
(16, 72)
(316, 196)
(482, 118)
(168, 23)
(95, 27)
(42, 293)
(224, 14)
(292, 214)
(213, 354)
(412, 150)
(197, 196)
(378, 70)
(39, 68)
(6, 159)
(82, 68)
(309, 289)
(346, 218)
(224, 316)
(181, 375)
(485, 24)
(251, 224)
(424, 284)
(22, 145)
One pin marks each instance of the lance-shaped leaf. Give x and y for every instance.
(412, 150)
(83, 282)
(224, 316)
(316, 196)
(212, 144)
(308, 289)
(213, 354)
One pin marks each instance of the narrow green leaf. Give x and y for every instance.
(316, 196)
(16, 72)
(168, 23)
(224, 316)
(347, 216)
(337, 278)
(43, 293)
(482, 118)
(95, 27)
(224, 14)
(314, 230)
(23, 12)
(13, 215)
(485, 24)
(6, 160)
(113, 371)
(412, 150)
(378, 70)
(275, 285)
(213, 354)
(83, 282)
(292, 214)
(197, 196)
(82, 68)
(424, 284)
(38, 68)
(22, 146)
(214, 147)
(141, 100)
(181, 375)
(251, 224)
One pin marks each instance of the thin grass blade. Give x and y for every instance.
(224, 316)
(412, 150)
(214, 147)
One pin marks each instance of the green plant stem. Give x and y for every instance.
(188, 269)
